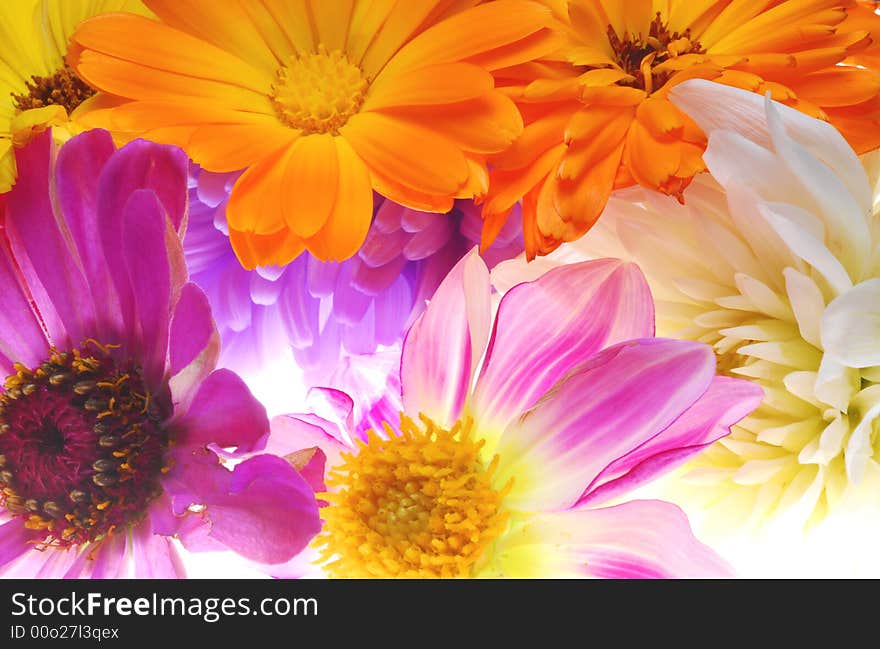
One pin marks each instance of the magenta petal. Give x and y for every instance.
(547, 327)
(223, 412)
(725, 402)
(155, 557)
(443, 347)
(264, 510)
(110, 561)
(192, 328)
(58, 286)
(146, 258)
(15, 540)
(642, 539)
(619, 400)
(381, 248)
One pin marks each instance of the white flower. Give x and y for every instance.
(774, 262)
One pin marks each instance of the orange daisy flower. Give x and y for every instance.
(597, 114)
(323, 101)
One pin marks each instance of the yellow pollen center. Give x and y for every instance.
(319, 92)
(417, 504)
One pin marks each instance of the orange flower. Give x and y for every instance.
(598, 118)
(323, 101)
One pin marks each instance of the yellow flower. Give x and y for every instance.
(37, 88)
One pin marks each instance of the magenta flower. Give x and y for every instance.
(113, 416)
(509, 467)
(327, 310)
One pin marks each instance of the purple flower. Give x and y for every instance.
(113, 417)
(328, 310)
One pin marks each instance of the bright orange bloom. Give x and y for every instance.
(597, 114)
(323, 101)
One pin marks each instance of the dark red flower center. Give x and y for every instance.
(81, 445)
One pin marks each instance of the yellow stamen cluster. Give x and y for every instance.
(417, 504)
(319, 92)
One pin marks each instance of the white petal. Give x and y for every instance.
(807, 303)
(851, 326)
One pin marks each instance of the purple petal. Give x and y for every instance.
(547, 327)
(373, 281)
(109, 562)
(429, 240)
(380, 248)
(388, 217)
(725, 402)
(443, 347)
(223, 412)
(393, 307)
(416, 221)
(263, 291)
(620, 399)
(641, 539)
(51, 268)
(292, 433)
(321, 276)
(349, 304)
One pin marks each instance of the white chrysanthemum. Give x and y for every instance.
(776, 266)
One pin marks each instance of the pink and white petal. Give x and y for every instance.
(620, 399)
(112, 560)
(23, 338)
(154, 555)
(193, 345)
(725, 402)
(41, 250)
(442, 349)
(547, 327)
(333, 405)
(641, 539)
(223, 412)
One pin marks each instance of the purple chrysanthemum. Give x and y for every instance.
(112, 417)
(323, 310)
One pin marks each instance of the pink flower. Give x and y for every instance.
(112, 410)
(519, 434)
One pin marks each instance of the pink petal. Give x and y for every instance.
(620, 399)
(223, 412)
(641, 539)
(443, 347)
(42, 252)
(23, 339)
(155, 556)
(725, 402)
(110, 561)
(547, 327)
(15, 540)
(263, 509)
(292, 433)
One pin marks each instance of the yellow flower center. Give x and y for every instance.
(64, 88)
(417, 504)
(319, 92)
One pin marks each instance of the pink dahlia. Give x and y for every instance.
(521, 437)
(112, 415)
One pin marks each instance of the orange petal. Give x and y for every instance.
(352, 213)
(840, 86)
(255, 201)
(488, 124)
(230, 147)
(506, 187)
(650, 161)
(661, 117)
(252, 250)
(409, 154)
(445, 83)
(311, 184)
